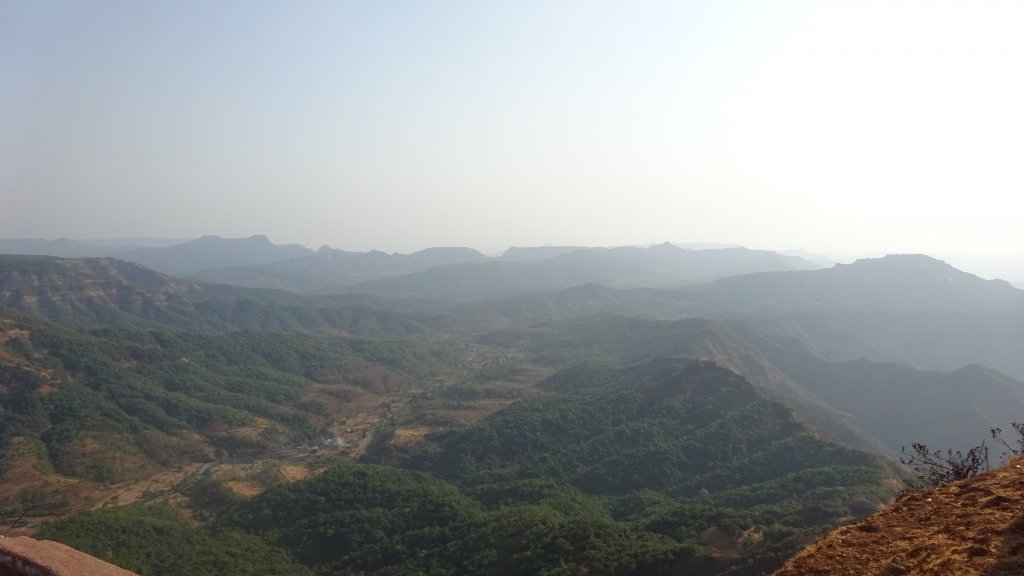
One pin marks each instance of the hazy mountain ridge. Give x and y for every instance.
(899, 283)
(465, 273)
(662, 265)
(62, 247)
(213, 252)
(874, 406)
(93, 248)
(933, 407)
(620, 369)
(534, 253)
(105, 292)
(332, 270)
(907, 308)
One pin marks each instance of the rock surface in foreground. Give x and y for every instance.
(974, 527)
(24, 556)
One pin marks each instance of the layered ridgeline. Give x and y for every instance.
(839, 398)
(435, 273)
(212, 252)
(622, 462)
(106, 292)
(910, 308)
(670, 467)
(899, 404)
(254, 261)
(330, 270)
(167, 256)
(870, 405)
(623, 267)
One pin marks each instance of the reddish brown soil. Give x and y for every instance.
(24, 555)
(971, 528)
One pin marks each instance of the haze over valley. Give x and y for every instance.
(672, 400)
(404, 288)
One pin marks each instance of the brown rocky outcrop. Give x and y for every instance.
(974, 527)
(24, 556)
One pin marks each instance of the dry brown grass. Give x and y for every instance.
(411, 435)
(971, 528)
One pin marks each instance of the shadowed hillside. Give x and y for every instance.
(906, 308)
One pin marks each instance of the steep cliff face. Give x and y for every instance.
(24, 556)
(971, 528)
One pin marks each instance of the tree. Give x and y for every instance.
(1018, 449)
(934, 469)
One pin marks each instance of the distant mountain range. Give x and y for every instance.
(900, 282)
(331, 270)
(624, 267)
(844, 399)
(725, 400)
(906, 308)
(108, 293)
(450, 274)
(213, 252)
(797, 334)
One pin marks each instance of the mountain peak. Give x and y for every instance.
(665, 247)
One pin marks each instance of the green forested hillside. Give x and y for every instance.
(112, 405)
(96, 293)
(159, 540)
(673, 467)
(627, 340)
(563, 442)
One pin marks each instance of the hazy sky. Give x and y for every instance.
(839, 127)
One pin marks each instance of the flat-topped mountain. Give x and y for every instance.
(534, 253)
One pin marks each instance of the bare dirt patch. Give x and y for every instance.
(243, 488)
(293, 473)
(407, 436)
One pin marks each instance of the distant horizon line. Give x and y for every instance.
(825, 259)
